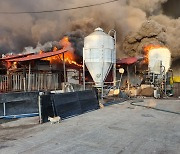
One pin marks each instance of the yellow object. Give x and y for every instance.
(175, 79)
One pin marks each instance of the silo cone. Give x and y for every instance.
(98, 71)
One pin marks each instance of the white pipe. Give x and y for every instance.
(114, 65)
(4, 107)
(39, 106)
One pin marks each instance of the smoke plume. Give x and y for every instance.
(137, 22)
(150, 32)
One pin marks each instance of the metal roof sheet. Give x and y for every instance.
(127, 61)
(39, 56)
(16, 56)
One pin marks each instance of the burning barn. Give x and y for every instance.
(40, 71)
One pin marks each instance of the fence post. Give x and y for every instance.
(4, 107)
(39, 106)
(29, 77)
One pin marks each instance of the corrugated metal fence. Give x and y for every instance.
(67, 104)
(29, 82)
(19, 104)
(24, 104)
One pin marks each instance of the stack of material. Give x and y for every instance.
(148, 92)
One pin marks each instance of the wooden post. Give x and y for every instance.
(4, 107)
(24, 78)
(29, 77)
(64, 68)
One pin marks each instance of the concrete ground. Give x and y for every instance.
(116, 129)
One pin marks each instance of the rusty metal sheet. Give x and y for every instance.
(127, 61)
(16, 56)
(39, 56)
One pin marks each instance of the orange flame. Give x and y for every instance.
(147, 49)
(55, 49)
(11, 65)
(40, 52)
(66, 44)
(8, 64)
(69, 56)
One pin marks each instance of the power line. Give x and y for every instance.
(59, 10)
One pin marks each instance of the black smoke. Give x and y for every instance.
(36, 30)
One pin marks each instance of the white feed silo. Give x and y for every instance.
(159, 60)
(99, 54)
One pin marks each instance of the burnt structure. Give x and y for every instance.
(35, 72)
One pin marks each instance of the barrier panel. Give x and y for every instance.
(17, 104)
(68, 104)
(46, 105)
(1, 109)
(65, 105)
(88, 100)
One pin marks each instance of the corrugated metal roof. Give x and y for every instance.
(127, 61)
(39, 56)
(16, 56)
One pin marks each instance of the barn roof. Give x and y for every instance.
(38, 56)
